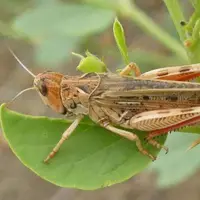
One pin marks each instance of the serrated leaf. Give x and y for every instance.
(91, 158)
(120, 40)
(61, 19)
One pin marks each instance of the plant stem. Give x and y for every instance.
(190, 31)
(177, 16)
(143, 21)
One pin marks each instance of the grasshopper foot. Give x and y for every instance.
(153, 158)
(157, 145)
(146, 153)
(51, 155)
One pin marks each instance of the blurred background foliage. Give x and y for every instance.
(43, 33)
(55, 28)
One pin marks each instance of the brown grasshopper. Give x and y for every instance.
(158, 101)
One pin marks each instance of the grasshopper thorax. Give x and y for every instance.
(48, 84)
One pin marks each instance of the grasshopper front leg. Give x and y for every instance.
(64, 137)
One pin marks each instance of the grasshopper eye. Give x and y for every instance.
(43, 89)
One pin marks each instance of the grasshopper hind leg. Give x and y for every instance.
(130, 136)
(161, 122)
(156, 144)
(177, 73)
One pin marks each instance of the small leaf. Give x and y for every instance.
(120, 40)
(91, 64)
(91, 158)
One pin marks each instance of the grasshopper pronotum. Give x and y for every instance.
(144, 103)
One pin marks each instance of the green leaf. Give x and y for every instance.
(178, 164)
(120, 40)
(91, 158)
(52, 51)
(59, 19)
(111, 4)
(90, 64)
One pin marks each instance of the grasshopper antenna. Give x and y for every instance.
(22, 65)
(20, 93)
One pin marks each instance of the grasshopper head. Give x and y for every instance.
(48, 86)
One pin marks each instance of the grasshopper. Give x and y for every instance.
(158, 101)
